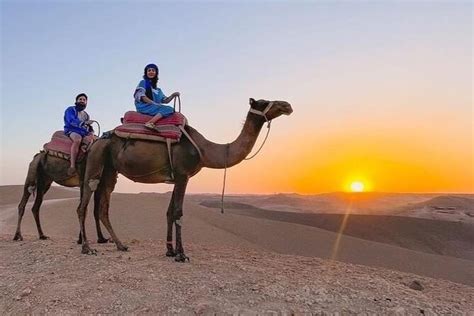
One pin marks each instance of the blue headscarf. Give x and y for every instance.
(150, 83)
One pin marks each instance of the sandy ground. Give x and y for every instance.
(244, 261)
(51, 277)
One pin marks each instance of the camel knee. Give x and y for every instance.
(31, 189)
(93, 184)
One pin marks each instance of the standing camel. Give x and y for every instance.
(42, 171)
(148, 162)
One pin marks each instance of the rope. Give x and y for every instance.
(261, 146)
(225, 174)
(269, 125)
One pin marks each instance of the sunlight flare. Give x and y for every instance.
(357, 186)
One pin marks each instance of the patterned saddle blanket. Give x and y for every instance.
(133, 126)
(60, 146)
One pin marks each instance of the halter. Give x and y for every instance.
(264, 112)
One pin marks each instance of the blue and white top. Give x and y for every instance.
(74, 121)
(150, 108)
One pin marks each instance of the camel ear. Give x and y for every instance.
(251, 101)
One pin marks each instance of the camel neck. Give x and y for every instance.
(219, 156)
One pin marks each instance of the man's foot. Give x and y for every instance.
(71, 171)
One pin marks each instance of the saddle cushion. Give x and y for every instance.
(60, 146)
(135, 117)
(166, 128)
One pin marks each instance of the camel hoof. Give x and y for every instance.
(103, 240)
(43, 237)
(122, 248)
(181, 257)
(171, 253)
(88, 251)
(18, 237)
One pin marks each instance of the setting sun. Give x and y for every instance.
(357, 186)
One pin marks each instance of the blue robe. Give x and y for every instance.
(158, 107)
(75, 121)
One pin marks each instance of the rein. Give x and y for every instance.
(261, 113)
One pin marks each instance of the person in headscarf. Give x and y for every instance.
(76, 126)
(150, 100)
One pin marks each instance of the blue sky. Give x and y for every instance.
(340, 64)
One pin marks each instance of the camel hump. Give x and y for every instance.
(60, 146)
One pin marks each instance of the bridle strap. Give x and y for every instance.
(264, 112)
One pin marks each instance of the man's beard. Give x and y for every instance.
(80, 106)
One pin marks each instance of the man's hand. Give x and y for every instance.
(88, 122)
(175, 94)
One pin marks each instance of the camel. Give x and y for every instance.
(42, 171)
(148, 162)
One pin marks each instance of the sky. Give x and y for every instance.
(381, 90)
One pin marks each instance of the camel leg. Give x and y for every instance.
(169, 235)
(81, 214)
(21, 208)
(107, 185)
(178, 198)
(28, 189)
(92, 177)
(43, 187)
(100, 237)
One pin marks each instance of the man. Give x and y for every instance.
(77, 126)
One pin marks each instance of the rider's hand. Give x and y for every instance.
(88, 122)
(176, 94)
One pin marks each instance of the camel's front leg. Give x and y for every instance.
(81, 213)
(106, 187)
(100, 237)
(178, 198)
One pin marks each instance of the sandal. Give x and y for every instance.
(150, 125)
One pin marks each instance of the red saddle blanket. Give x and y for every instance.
(60, 143)
(134, 127)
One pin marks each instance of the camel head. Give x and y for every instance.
(270, 109)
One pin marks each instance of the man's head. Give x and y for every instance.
(81, 101)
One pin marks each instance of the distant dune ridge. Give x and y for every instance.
(438, 248)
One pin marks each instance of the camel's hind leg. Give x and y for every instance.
(43, 187)
(28, 189)
(106, 187)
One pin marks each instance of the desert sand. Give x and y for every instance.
(254, 258)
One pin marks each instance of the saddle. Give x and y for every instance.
(168, 129)
(60, 146)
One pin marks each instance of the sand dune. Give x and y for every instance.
(430, 236)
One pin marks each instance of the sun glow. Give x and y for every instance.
(357, 186)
